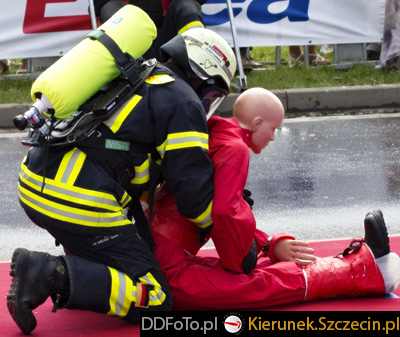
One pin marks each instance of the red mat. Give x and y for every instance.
(73, 323)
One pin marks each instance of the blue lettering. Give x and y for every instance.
(297, 10)
(258, 12)
(222, 16)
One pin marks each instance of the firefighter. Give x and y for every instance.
(79, 193)
(171, 17)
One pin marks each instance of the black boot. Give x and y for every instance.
(376, 235)
(36, 276)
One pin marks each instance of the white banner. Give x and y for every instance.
(42, 28)
(297, 22)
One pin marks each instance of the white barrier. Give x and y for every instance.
(43, 28)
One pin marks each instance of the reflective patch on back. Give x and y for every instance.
(159, 79)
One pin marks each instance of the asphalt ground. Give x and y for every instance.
(316, 181)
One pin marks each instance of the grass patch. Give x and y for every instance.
(18, 91)
(15, 91)
(312, 77)
(317, 77)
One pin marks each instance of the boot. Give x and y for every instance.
(377, 239)
(36, 276)
(356, 272)
(349, 275)
(376, 235)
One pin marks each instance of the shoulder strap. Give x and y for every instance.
(98, 108)
(112, 154)
(125, 63)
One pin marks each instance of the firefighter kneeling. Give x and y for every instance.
(79, 195)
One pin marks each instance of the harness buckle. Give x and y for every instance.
(355, 245)
(94, 131)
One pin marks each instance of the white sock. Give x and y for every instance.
(389, 265)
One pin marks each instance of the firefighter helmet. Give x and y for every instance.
(204, 52)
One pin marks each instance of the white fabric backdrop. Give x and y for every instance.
(329, 21)
(41, 28)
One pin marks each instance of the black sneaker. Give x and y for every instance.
(376, 235)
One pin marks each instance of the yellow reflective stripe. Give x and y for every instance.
(130, 289)
(156, 296)
(114, 292)
(72, 214)
(181, 140)
(70, 166)
(186, 139)
(115, 122)
(77, 168)
(72, 193)
(191, 25)
(142, 173)
(161, 148)
(204, 220)
(126, 198)
(63, 166)
(123, 293)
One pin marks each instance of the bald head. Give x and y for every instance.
(260, 111)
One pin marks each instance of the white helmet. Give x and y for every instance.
(206, 54)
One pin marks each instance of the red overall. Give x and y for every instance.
(200, 283)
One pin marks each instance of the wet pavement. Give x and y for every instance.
(321, 176)
(317, 180)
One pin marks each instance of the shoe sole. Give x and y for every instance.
(26, 324)
(383, 227)
(378, 216)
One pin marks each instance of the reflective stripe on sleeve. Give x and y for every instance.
(190, 25)
(181, 140)
(204, 220)
(142, 173)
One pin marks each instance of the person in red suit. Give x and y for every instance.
(255, 270)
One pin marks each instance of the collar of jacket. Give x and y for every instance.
(177, 70)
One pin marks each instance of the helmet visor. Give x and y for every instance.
(212, 99)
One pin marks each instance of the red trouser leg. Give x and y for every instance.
(356, 274)
(201, 283)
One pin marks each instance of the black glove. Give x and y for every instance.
(250, 261)
(204, 232)
(246, 196)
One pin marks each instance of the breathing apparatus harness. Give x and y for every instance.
(85, 130)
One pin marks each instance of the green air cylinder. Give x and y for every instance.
(88, 66)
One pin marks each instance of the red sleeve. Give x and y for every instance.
(271, 245)
(234, 222)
